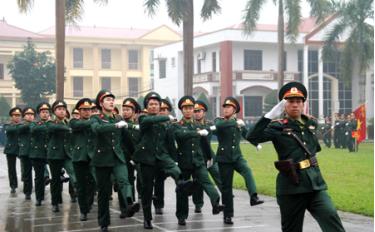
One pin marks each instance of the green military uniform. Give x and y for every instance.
(38, 153)
(82, 152)
(24, 151)
(230, 159)
(11, 149)
(350, 126)
(338, 130)
(327, 134)
(308, 192)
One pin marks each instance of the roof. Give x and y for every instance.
(10, 31)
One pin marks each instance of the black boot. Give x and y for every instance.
(147, 224)
(159, 211)
(254, 200)
(27, 197)
(55, 208)
(182, 222)
(83, 217)
(216, 209)
(198, 209)
(228, 220)
(132, 209)
(123, 213)
(13, 190)
(38, 203)
(104, 228)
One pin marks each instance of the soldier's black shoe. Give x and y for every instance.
(198, 209)
(64, 179)
(228, 220)
(132, 209)
(182, 222)
(216, 209)
(13, 190)
(73, 199)
(83, 217)
(27, 197)
(104, 229)
(159, 211)
(147, 225)
(38, 203)
(47, 180)
(123, 213)
(254, 200)
(55, 208)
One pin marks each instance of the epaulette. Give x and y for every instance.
(281, 120)
(101, 115)
(181, 122)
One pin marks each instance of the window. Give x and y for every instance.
(214, 62)
(253, 60)
(162, 68)
(77, 86)
(199, 66)
(77, 57)
(133, 59)
(106, 83)
(285, 61)
(106, 58)
(173, 62)
(133, 83)
(253, 106)
(1, 71)
(152, 63)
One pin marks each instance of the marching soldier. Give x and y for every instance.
(350, 126)
(109, 158)
(191, 159)
(337, 131)
(82, 153)
(229, 131)
(152, 153)
(58, 153)
(38, 150)
(75, 113)
(11, 146)
(326, 131)
(24, 151)
(342, 136)
(200, 109)
(300, 185)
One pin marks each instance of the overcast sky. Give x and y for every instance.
(130, 13)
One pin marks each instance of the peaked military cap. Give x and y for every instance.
(28, 110)
(132, 103)
(232, 102)
(75, 111)
(15, 111)
(43, 106)
(58, 103)
(293, 89)
(186, 101)
(93, 105)
(101, 95)
(151, 95)
(165, 104)
(200, 105)
(84, 103)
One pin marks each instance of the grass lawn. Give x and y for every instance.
(349, 176)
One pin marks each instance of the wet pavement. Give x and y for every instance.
(18, 214)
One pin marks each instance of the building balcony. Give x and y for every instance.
(206, 77)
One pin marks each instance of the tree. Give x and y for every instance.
(34, 74)
(183, 11)
(292, 9)
(270, 101)
(352, 17)
(65, 10)
(203, 97)
(4, 107)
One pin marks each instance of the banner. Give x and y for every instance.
(360, 115)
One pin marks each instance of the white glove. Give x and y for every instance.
(132, 163)
(203, 132)
(171, 117)
(259, 147)
(121, 124)
(136, 127)
(276, 111)
(332, 127)
(212, 128)
(210, 163)
(240, 123)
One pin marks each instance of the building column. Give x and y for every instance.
(226, 72)
(306, 66)
(95, 77)
(320, 85)
(14, 95)
(124, 65)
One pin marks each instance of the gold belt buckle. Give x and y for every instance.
(304, 164)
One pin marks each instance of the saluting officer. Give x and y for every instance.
(28, 114)
(11, 147)
(299, 185)
(191, 159)
(82, 152)
(109, 158)
(337, 131)
(200, 109)
(229, 131)
(38, 150)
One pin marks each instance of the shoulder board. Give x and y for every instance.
(281, 120)
(180, 122)
(101, 116)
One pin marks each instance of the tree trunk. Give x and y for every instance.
(188, 40)
(280, 45)
(60, 47)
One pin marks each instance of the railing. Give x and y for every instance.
(206, 77)
(245, 75)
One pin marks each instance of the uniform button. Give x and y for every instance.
(302, 133)
(233, 147)
(78, 148)
(192, 144)
(222, 149)
(88, 140)
(98, 151)
(113, 140)
(304, 143)
(113, 147)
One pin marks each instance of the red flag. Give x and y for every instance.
(360, 115)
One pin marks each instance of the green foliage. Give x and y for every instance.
(34, 74)
(352, 191)
(203, 97)
(270, 101)
(4, 107)
(140, 101)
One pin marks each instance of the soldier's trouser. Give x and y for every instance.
(319, 204)
(351, 143)
(27, 175)
(55, 167)
(68, 166)
(226, 172)
(104, 185)
(343, 140)
(148, 173)
(85, 185)
(131, 176)
(327, 140)
(215, 175)
(336, 139)
(199, 174)
(40, 167)
(158, 198)
(12, 171)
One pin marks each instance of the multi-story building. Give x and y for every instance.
(229, 62)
